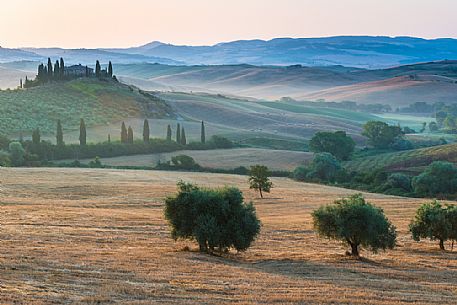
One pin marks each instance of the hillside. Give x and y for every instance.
(412, 161)
(98, 102)
(99, 237)
(397, 91)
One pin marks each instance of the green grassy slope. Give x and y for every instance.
(98, 102)
(407, 161)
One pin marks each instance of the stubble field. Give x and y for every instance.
(80, 236)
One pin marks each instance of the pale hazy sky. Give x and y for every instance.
(121, 23)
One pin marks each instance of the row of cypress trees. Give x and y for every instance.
(126, 134)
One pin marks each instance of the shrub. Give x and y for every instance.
(336, 143)
(17, 153)
(399, 181)
(96, 163)
(434, 222)
(184, 162)
(324, 167)
(402, 144)
(300, 173)
(259, 179)
(439, 179)
(215, 218)
(221, 142)
(355, 222)
(5, 158)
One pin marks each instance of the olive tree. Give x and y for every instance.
(436, 222)
(357, 223)
(215, 218)
(259, 179)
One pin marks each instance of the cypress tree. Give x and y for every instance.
(82, 133)
(57, 70)
(109, 138)
(36, 137)
(97, 69)
(178, 133)
(130, 135)
(123, 133)
(169, 133)
(87, 71)
(40, 72)
(62, 68)
(59, 134)
(45, 73)
(146, 131)
(49, 69)
(202, 133)
(110, 69)
(20, 84)
(183, 137)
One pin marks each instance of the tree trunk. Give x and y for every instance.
(442, 244)
(261, 195)
(354, 249)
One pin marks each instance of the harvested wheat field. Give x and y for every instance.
(79, 236)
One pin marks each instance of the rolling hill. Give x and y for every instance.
(98, 102)
(402, 85)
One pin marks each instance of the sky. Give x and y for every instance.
(121, 23)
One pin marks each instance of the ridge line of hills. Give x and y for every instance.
(354, 51)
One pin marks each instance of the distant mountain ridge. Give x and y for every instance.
(353, 51)
(370, 52)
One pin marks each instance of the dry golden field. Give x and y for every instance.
(79, 236)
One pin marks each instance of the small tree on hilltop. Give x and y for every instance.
(97, 69)
(215, 218)
(357, 223)
(146, 131)
(110, 69)
(259, 179)
(62, 68)
(433, 221)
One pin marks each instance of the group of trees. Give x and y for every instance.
(58, 72)
(50, 72)
(218, 218)
(38, 151)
